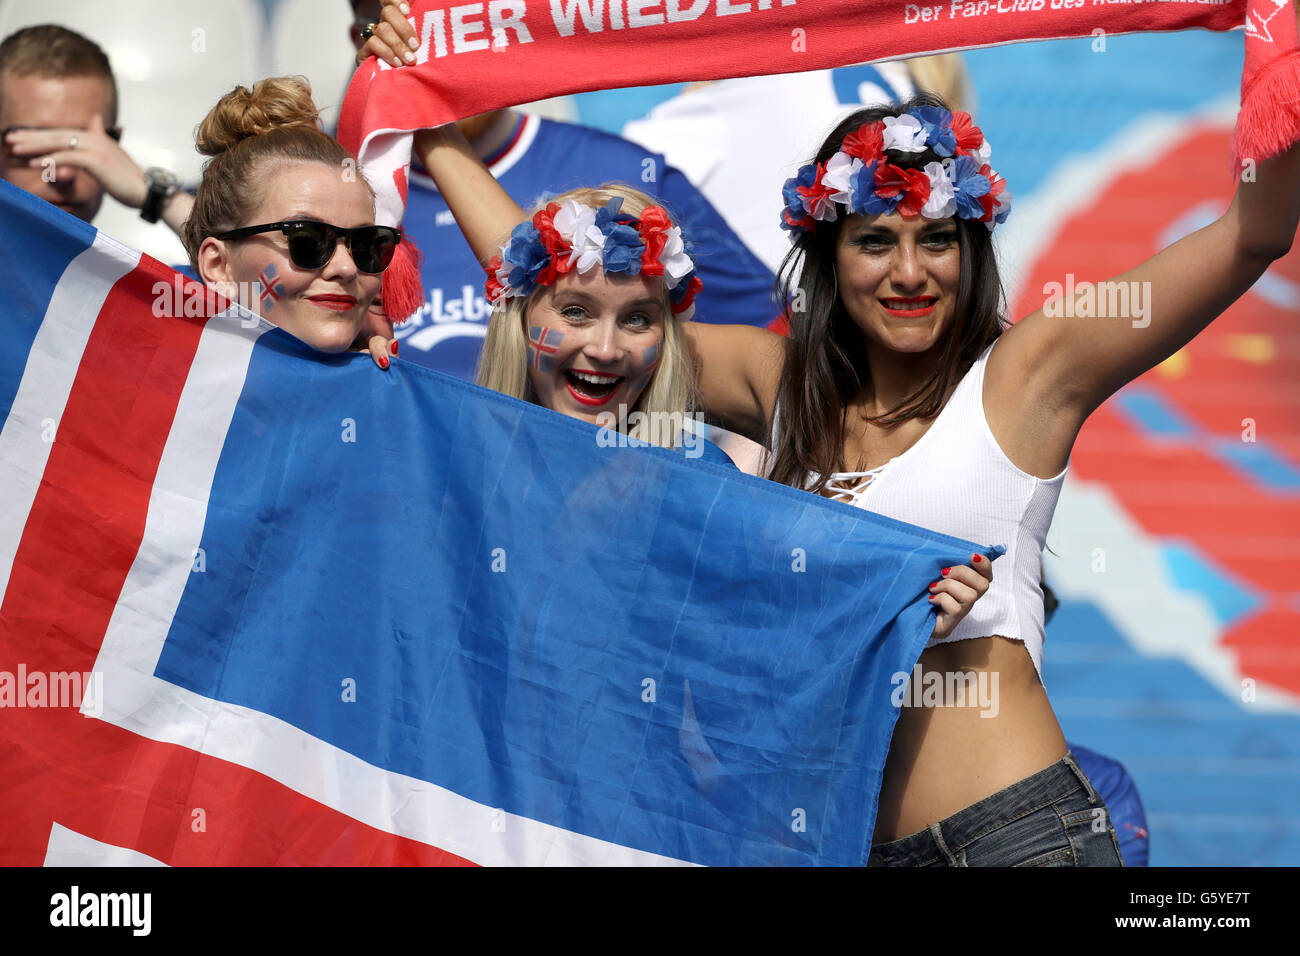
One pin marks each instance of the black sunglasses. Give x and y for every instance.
(312, 243)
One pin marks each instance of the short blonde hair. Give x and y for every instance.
(503, 364)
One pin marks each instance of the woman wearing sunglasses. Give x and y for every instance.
(281, 222)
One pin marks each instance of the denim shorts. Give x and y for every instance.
(1052, 818)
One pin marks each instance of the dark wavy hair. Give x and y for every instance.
(826, 361)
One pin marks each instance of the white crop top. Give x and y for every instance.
(957, 480)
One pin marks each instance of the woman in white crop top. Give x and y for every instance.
(902, 389)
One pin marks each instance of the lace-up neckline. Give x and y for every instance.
(849, 486)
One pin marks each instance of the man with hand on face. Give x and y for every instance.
(58, 130)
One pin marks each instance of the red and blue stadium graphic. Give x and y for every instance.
(1201, 455)
(1175, 648)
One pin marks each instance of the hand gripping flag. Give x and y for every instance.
(474, 58)
(323, 614)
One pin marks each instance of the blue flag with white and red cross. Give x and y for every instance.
(322, 614)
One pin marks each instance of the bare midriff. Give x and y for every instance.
(944, 758)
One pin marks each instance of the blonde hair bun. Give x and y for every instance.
(280, 102)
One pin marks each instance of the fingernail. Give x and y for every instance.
(934, 597)
(934, 584)
(945, 570)
(396, 62)
(393, 347)
(413, 43)
(383, 361)
(410, 57)
(405, 8)
(975, 558)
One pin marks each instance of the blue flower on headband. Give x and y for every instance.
(866, 201)
(795, 214)
(623, 247)
(937, 124)
(862, 187)
(525, 256)
(790, 191)
(678, 292)
(967, 185)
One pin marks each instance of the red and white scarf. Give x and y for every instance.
(476, 57)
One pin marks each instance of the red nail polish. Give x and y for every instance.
(934, 584)
(393, 347)
(946, 570)
(383, 361)
(975, 558)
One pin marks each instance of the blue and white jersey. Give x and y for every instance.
(739, 140)
(541, 158)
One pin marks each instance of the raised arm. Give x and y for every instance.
(483, 209)
(1056, 366)
(738, 370)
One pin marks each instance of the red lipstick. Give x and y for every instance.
(586, 400)
(335, 303)
(912, 308)
(592, 401)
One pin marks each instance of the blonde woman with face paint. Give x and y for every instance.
(276, 225)
(583, 334)
(596, 344)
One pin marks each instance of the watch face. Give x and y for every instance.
(162, 183)
(156, 175)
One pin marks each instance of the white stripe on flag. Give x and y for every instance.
(139, 702)
(42, 394)
(70, 848)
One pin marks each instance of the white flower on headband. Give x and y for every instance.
(573, 218)
(676, 262)
(576, 224)
(839, 177)
(588, 247)
(981, 155)
(904, 133)
(943, 198)
(503, 273)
